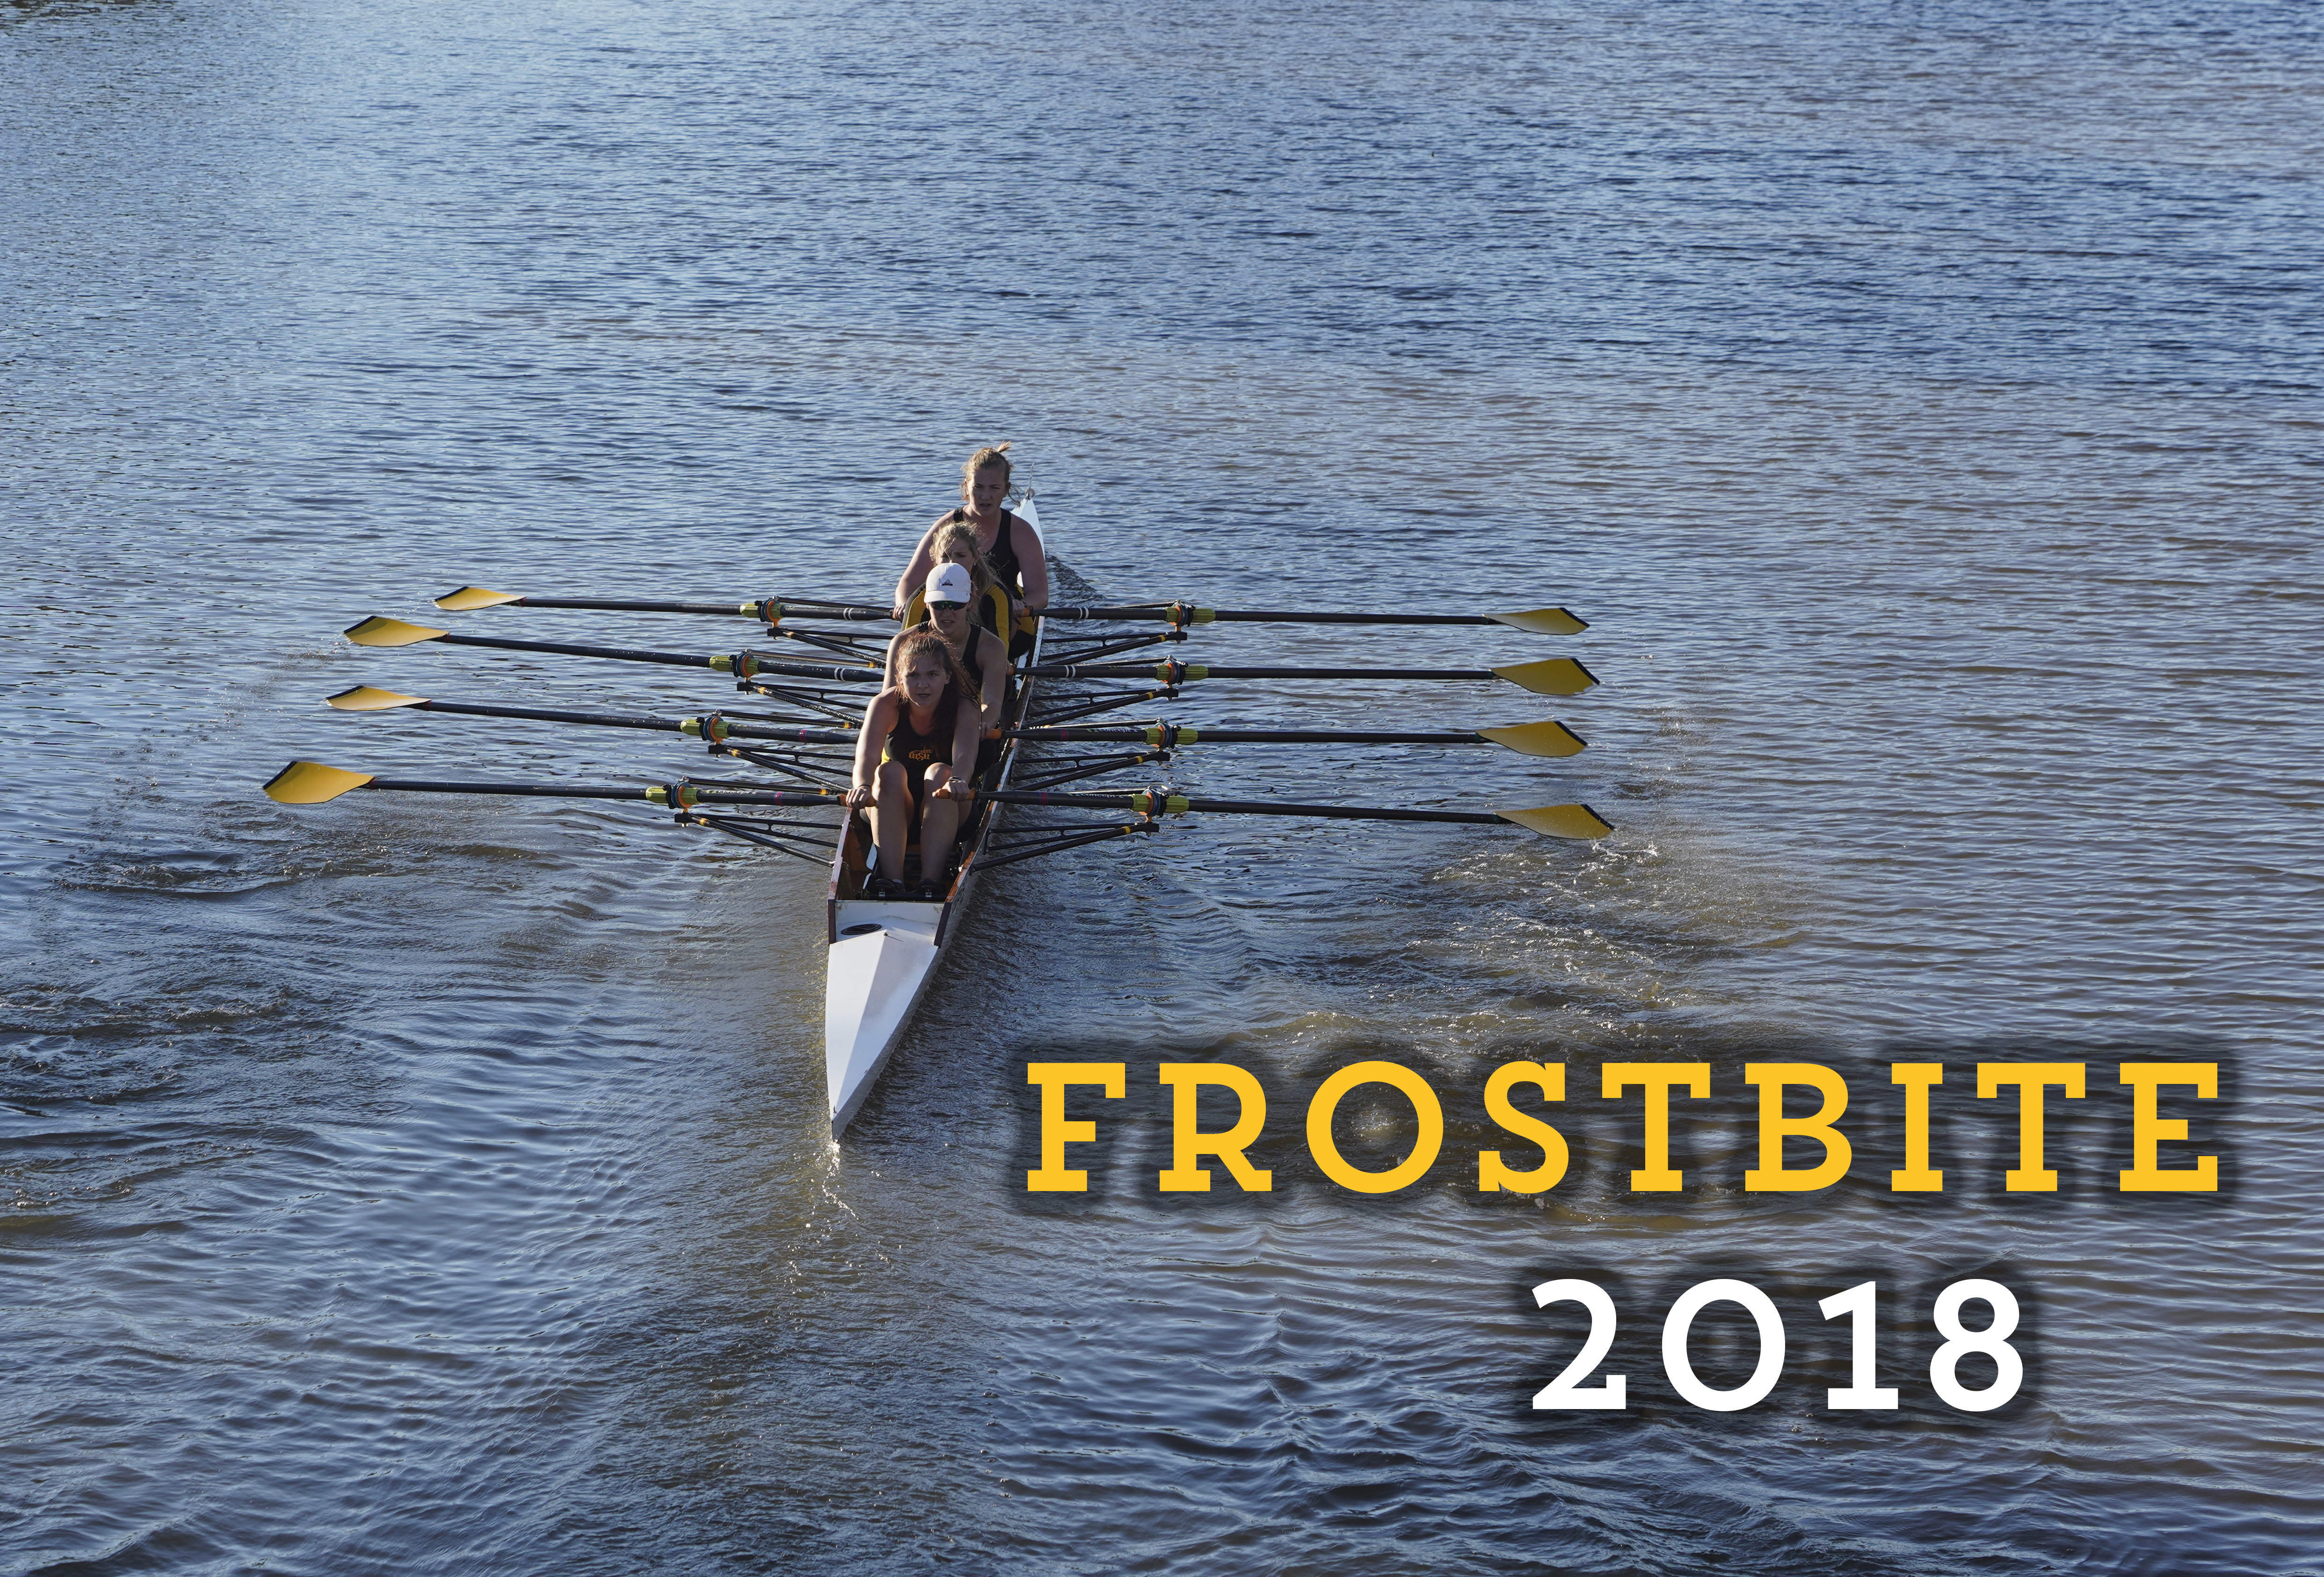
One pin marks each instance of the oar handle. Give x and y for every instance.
(709, 794)
(1134, 613)
(806, 670)
(774, 608)
(792, 735)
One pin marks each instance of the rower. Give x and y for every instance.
(915, 766)
(1009, 544)
(988, 604)
(950, 593)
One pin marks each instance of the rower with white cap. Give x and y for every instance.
(982, 654)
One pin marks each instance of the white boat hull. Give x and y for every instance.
(879, 970)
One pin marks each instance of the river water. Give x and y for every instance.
(1919, 400)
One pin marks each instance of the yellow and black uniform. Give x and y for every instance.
(918, 751)
(969, 662)
(988, 750)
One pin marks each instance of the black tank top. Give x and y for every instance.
(1002, 557)
(907, 744)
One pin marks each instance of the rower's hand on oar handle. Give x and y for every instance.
(859, 797)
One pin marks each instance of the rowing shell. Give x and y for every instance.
(883, 955)
(884, 952)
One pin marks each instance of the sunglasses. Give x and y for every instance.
(949, 607)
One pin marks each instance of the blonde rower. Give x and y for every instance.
(1009, 544)
(915, 764)
(988, 604)
(983, 656)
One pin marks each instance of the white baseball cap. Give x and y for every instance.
(951, 584)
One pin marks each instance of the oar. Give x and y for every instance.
(393, 632)
(1527, 739)
(713, 726)
(1539, 621)
(1556, 675)
(1546, 739)
(1556, 821)
(468, 598)
(313, 783)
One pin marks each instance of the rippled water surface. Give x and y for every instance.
(1921, 401)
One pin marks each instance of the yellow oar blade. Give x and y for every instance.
(378, 632)
(1527, 739)
(363, 698)
(1556, 675)
(470, 597)
(1540, 621)
(311, 783)
(1559, 821)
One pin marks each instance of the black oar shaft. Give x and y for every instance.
(532, 790)
(732, 729)
(1174, 735)
(1216, 671)
(707, 795)
(768, 608)
(540, 715)
(563, 649)
(1141, 612)
(793, 736)
(861, 674)
(1175, 804)
(1339, 812)
(1248, 616)
(1186, 613)
(811, 670)
(631, 605)
(699, 793)
(1341, 673)
(1138, 613)
(774, 608)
